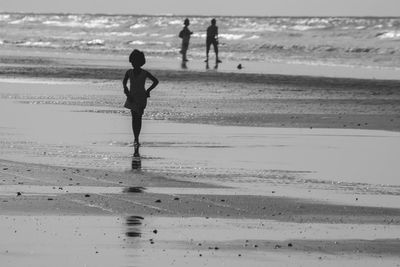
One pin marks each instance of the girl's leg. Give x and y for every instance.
(136, 125)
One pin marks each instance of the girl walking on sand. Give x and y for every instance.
(137, 94)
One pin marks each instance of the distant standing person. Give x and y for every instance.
(184, 34)
(137, 94)
(212, 39)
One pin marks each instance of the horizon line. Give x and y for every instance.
(195, 15)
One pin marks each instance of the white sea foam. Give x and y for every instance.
(137, 26)
(307, 27)
(232, 36)
(137, 43)
(96, 42)
(199, 35)
(4, 17)
(37, 44)
(256, 28)
(122, 34)
(18, 21)
(253, 37)
(390, 35)
(95, 23)
(169, 35)
(175, 22)
(25, 19)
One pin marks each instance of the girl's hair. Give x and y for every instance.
(137, 58)
(186, 22)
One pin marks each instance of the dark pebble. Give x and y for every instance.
(290, 245)
(19, 193)
(176, 198)
(49, 198)
(158, 201)
(155, 231)
(87, 195)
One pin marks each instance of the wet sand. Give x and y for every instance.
(24, 59)
(65, 216)
(307, 192)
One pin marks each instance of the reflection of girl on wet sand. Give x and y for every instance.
(136, 93)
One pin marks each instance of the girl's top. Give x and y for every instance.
(137, 99)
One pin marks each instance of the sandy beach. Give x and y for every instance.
(236, 168)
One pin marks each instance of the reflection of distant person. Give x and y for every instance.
(136, 93)
(185, 35)
(212, 39)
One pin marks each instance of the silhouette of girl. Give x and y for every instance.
(136, 93)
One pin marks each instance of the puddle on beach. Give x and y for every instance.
(158, 241)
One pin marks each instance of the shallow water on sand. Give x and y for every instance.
(65, 135)
(158, 241)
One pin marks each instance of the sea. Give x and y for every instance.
(330, 41)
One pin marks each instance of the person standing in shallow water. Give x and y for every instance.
(212, 39)
(184, 34)
(137, 94)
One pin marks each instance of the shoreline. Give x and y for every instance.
(102, 72)
(13, 62)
